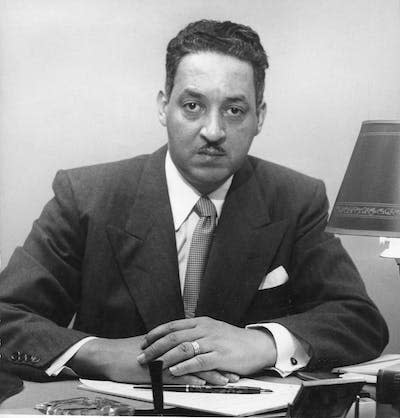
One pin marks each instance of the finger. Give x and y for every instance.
(168, 328)
(179, 339)
(202, 362)
(232, 377)
(183, 351)
(182, 380)
(213, 377)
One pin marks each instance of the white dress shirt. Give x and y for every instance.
(291, 354)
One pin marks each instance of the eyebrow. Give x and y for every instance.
(238, 98)
(193, 93)
(198, 95)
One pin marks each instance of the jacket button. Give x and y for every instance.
(15, 356)
(293, 361)
(35, 359)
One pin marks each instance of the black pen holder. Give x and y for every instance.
(327, 398)
(388, 394)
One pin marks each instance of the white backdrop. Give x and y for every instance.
(79, 79)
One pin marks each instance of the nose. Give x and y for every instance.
(213, 129)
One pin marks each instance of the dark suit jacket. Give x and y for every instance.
(104, 248)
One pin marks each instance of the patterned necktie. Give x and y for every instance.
(198, 253)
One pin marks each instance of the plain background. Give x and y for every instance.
(79, 79)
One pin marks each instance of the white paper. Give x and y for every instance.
(218, 403)
(367, 377)
(386, 361)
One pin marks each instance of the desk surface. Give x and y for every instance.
(34, 393)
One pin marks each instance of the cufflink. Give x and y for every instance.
(293, 361)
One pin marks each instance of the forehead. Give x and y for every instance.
(214, 74)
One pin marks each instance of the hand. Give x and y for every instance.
(223, 347)
(115, 359)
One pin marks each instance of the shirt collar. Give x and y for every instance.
(183, 196)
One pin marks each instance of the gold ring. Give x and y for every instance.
(196, 348)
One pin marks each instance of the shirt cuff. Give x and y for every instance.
(291, 354)
(58, 364)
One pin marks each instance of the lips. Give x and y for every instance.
(212, 152)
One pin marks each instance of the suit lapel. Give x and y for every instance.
(244, 246)
(245, 243)
(145, 248)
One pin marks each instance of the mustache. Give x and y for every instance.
(212, 148)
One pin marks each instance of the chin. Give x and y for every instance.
(207, 184)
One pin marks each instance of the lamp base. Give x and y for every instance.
(393, 250)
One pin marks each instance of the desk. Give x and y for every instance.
(33, 393)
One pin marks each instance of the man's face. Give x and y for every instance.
(211, 117)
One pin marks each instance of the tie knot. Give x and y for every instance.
(204, 207)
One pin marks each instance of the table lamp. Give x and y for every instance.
(368, 202)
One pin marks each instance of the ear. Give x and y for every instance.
(261, 113)
(162, 102)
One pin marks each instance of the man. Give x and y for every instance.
(200, 255)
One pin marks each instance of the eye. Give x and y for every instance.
(235, 111)
(192, 107)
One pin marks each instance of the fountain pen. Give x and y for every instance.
(210, 389)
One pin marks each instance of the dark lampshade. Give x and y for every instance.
(368, 202)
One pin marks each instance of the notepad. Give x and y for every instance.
(367, 377)
(215, 403)
(372, 367)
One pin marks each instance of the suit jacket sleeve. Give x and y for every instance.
(330, 309)
(40, 287)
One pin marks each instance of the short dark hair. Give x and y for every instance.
(229, 38)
